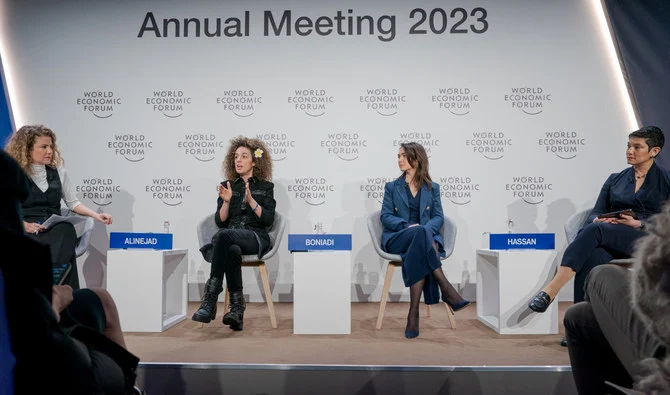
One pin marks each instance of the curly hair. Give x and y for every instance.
(263, 168)
(20, 145)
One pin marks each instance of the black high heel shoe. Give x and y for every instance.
(410, 333)
(457, 306)
(540, 302)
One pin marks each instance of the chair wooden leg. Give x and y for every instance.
(385, 294)
(428, 310)
(268, 294)
(226, 298)
(450, 314)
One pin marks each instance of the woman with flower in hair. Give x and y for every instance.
(245, 209)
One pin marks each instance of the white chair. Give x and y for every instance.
(376, 228)
(83, 230)
(206, 230)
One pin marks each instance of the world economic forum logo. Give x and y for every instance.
(170, 103)
(345, 146)
(564, 145)
(131, 147)
(100, 191)
(529, 100)
(201, 146)
(427, 140)
(384, 101)
(101, 104)
(311, 190)
(240, 102)
(373, 188)
(531, 190)
(312, 102)
(170, 191)
(279, 144)
(457, 101)
(458, 189)
(490, 145)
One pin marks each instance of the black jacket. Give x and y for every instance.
(241, 216)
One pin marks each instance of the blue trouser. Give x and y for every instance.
(597, 243)
(419, 259)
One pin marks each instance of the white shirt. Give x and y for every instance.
(39, 177)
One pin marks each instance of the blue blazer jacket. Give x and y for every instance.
(395, 211)
(618, 193)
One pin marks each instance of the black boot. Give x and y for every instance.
(235, 317)
(207, 310)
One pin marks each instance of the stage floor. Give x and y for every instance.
(470, 344)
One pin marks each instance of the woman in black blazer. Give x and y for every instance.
(245, 209)
(642, 188)
(412, 217)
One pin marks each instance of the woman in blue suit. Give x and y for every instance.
(643, 188)
(412, 218)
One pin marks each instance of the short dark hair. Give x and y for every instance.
(652, 135)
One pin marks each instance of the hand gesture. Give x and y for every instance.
(247, 194)
(627, 220)
(104, 218)
(225, 192)
(32, 227)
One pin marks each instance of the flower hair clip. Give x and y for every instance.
(258, 153)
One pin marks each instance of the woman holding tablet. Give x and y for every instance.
(642, 188)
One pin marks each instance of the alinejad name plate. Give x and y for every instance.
(327, 242)
(522, 241)
(154, 241)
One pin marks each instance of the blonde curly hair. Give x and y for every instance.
(20, 145)
(263, 168)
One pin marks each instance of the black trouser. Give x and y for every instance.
(605, 336)
(596, 244)
(228, 247)
(62, 241)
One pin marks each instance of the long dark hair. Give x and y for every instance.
(418, 159)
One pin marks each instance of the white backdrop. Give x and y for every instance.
(522, 120)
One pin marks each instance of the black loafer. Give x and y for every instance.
(564, 342)
(540, 302)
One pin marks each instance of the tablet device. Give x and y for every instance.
(615, 214)
(60, 272)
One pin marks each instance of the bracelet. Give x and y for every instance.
(254, 209)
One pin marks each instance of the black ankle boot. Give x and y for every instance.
(235, 317)
(207, 310)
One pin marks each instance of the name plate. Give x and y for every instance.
(335, 242)
(516, 241)
(155, 241)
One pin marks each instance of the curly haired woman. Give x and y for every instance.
(34, 148)
(245, 209)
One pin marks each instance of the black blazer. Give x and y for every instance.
(241, 216)
(618, 193)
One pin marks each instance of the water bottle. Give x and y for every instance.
(510, 226)
(166, 226)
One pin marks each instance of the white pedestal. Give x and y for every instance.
(149, 287)
(322, 292)
(506, 281)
